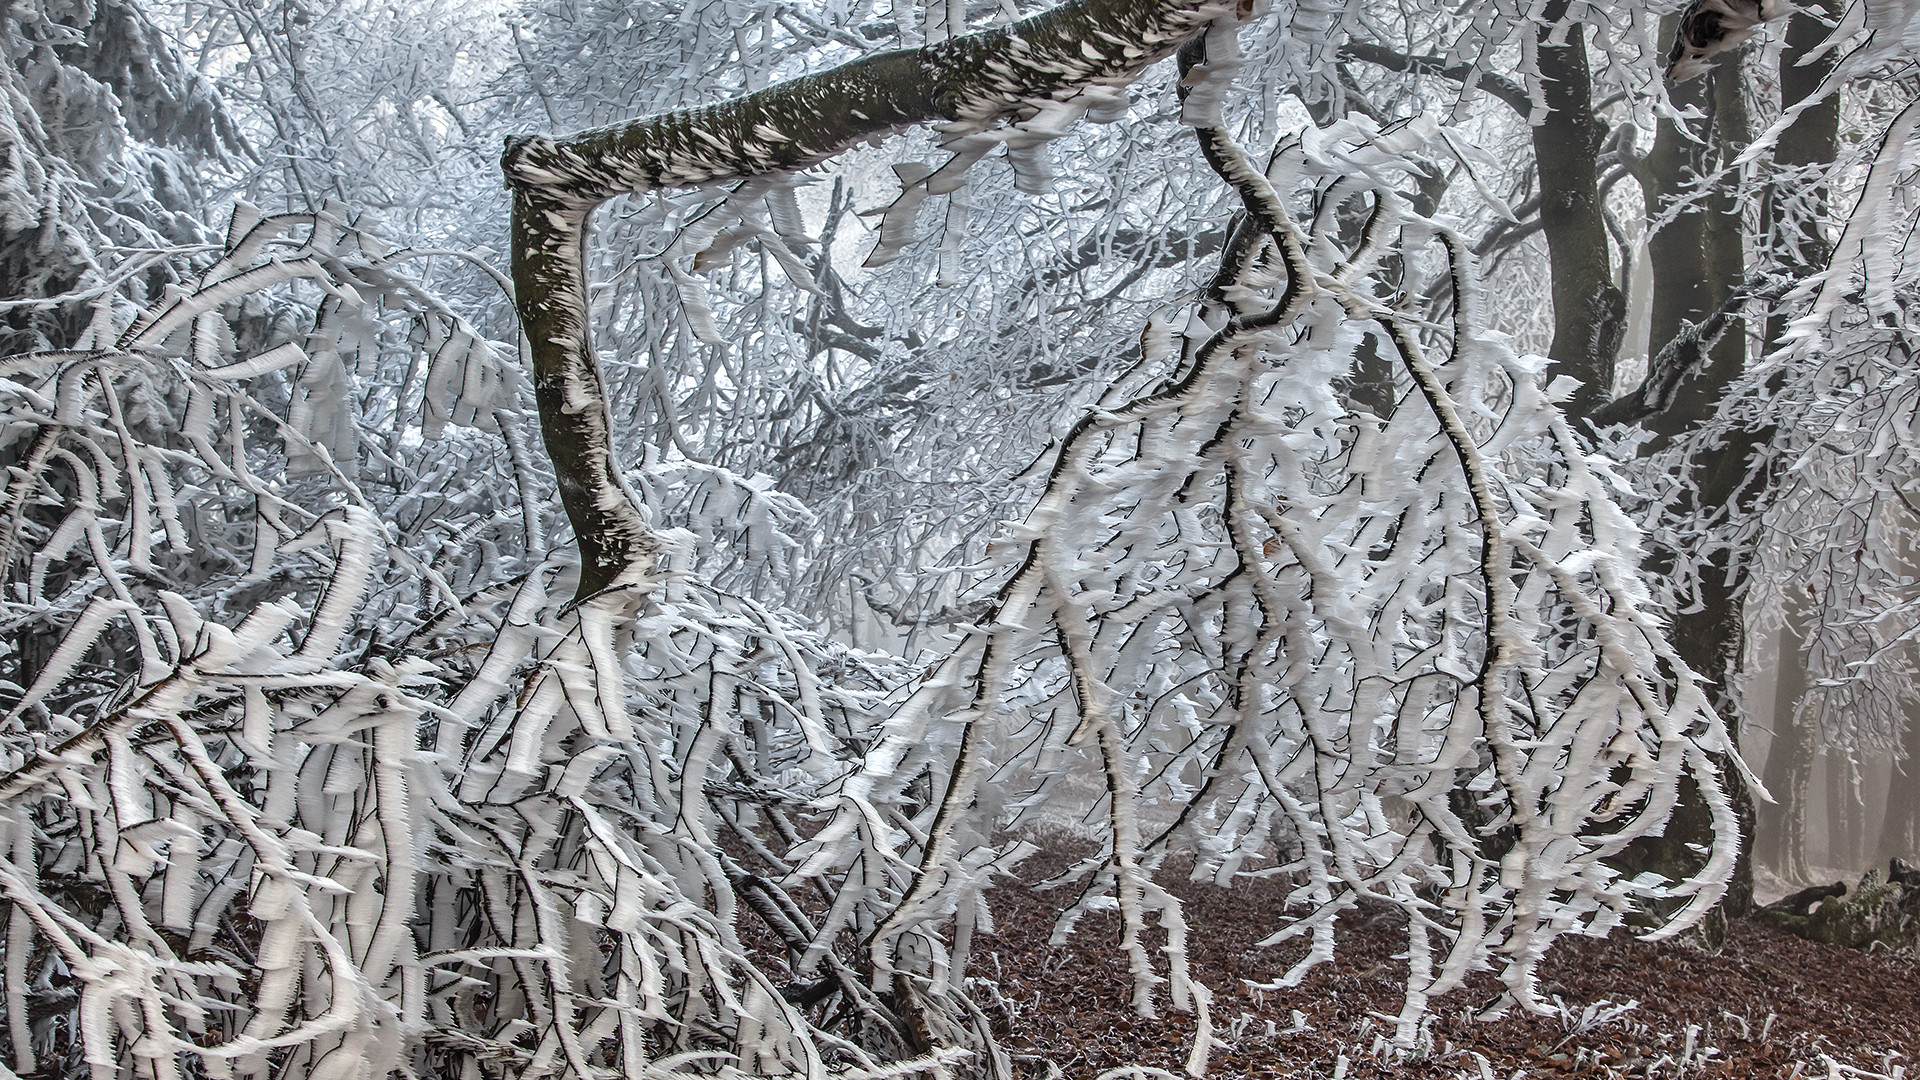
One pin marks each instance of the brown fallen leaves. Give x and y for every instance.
(1767, 1005)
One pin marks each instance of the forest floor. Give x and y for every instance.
(1765, 1005)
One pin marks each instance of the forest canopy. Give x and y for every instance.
(623, 622)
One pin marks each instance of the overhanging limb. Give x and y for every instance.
(971, 81)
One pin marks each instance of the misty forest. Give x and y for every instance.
(927, 538)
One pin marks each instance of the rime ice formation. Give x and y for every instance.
(377, 781)
(1073, 53)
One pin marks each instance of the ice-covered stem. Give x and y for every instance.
(557, 182)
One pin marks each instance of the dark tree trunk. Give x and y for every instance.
(1698, 257)
(1589, 314)
(1792, 211)
(1798, 797)
(1698, 260)
(1843, 814)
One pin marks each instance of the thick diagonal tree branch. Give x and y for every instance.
(557, 182)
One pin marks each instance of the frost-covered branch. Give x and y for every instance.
(968, 83)
(1405, 658)
(243, 835)
(1472, 75)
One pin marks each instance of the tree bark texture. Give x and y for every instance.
(969, 81)
(1698, 257)
(1589, 313)
(1845, 815)
(1810, 142)
(1900, 830)
(1698, 260)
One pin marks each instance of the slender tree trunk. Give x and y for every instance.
(1843, 814)
(1900, 833)
(1780, 833)
(1795, 865)
(1589, 313)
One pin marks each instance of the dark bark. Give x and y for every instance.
(1711, 637)
(974, 79)
(557, 182)
(1589, 314)
(1844, 818)
(550, 290)
(1810, 142)
(1792, 209)
(1698, 261)
(1697, 258)
(1688, 354)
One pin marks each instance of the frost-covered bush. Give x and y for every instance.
(316, 770)
(1405, 657)
(101, 130)
(319, 761)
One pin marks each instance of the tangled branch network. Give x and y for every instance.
(323, 770)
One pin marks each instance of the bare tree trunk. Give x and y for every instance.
(1900, 832)
(1698, 259)
(1780, 834)
(1799, 800)
(1843, 813)
(1811, 142)
(1589, 313)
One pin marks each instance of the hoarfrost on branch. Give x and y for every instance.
(402, 790)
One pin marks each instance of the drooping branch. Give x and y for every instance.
(970, 81)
